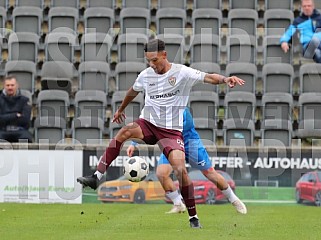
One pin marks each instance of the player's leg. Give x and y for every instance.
(132, 130)
(163, 172)
(177, 160)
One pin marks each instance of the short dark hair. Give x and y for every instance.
(9, 77)
(155, 45)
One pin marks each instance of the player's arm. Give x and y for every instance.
(214, 78)
(119, 116)
(131, 148)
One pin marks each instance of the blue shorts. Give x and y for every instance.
(195, 154)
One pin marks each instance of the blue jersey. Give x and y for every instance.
(195, 152)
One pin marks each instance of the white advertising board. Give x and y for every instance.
(40, 176)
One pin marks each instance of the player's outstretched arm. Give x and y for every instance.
(119, 115)
(215, 78)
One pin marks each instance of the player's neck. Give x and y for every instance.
(167, 67)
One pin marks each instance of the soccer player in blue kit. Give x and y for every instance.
(198, 158)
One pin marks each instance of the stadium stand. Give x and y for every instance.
(204, 104)
(206, 21)
(134, 20)
(99, 20)
(23, 46)
(49, 129)
(27, 19)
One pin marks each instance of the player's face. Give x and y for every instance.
(307, 7)
(157, 61)
(11, 86)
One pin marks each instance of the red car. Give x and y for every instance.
(204, 190)
(309, 188)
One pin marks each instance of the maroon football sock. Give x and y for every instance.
(188, 196)
(112, 151)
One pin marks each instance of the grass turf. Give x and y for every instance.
(148, 221)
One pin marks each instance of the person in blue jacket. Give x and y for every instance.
(198, 158)
(15, 112)
(309, 26)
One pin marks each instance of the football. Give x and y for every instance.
(136, 169)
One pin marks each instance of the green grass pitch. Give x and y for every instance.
(149, 221)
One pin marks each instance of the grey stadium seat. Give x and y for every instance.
(50, 130)
(208, 67)
(25, 72)
(99, 19)
(170, 20)
(90, 103)
(245, 71)
(242, 21)
(94, 75)
(206, 128)
(309, 128)
(87, 130)
(206, 21)
(96, 47)
(139, 4)
(23, 46)
(277, 105)
(60, 46)
(241, 48)
(30, 3)
(172, 4)
(57, 75)
(126, 74)
(272, 53)
(204, 104)
(63, 19)
(207, 4)
(53, 103)
(240, 105)
(276, 133)
(205, 48)
(101, 3)
(247, 4)
(238, 132)
(310, 78)
(131, 47)
(134, 20)
(64, 3)
(175, 44)
(310, 106)
(27, 19)
(276, 21)
(276, 4)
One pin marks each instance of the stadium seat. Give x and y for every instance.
(23, 46)
(204, 104)
(134, 20)
(172, 4)
(277, 105)
(3, 3)
(136, 3)
(245, 71)
(3, 17)
(276, 21)
(170, 21)
(275, 132)
(64, 3)
(126, 74)
(87, 130)
(310, 106)
(96, 47)
(241, 48)
(206, 21)
(206, 128)
(242, 21)
(277, 77)
(131, 47)
(24, 71)
(133, 110)
(90, 103)
(99, 19)
(309, 128)
(63, 19)
(175, 44)
(27, 19)
(101, 3)
(238, 132)
(276, 4)
(53, 103)
(247, 4)
(30, 3)
(310, 78)
(49, 130)
(94, 76)
(205, 48)
(60, 46)
(57, 75)
(214, 4)
(272, 53)
(27, 94)
(208, 67)
(240, 105)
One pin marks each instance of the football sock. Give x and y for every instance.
(112, 151)
(175, 197)
(229, 194)
(99, 175)
(193, 216)
(188, 196)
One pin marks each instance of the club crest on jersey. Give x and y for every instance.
(172, 81)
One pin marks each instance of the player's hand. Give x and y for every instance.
(130, 150)
(119, 117)
(285, 47)
(233, 80)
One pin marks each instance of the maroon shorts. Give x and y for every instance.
(167, 139)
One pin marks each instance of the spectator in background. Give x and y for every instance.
(309, 26)
(15, 112)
